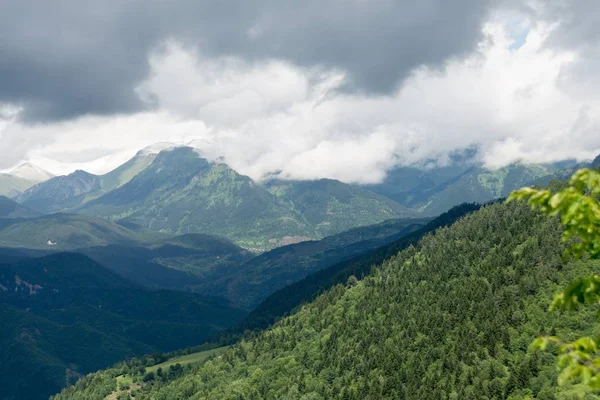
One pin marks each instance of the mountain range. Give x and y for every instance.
(435, 190)
(177, 191)
(171, 189)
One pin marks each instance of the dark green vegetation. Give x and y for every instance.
(248, 284)
(64, 193)
(187, 262)
(64, 315)
(287, 299)
(452, 318)
(11, 209)
(181, 192)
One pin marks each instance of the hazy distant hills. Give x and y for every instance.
(60, 193)
(480, 185)
(436, 190)
(65, 315)
(11, 185)
(329, 206)
(11, 209)
(63, 193)
(21, 178)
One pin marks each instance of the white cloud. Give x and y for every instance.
(513, 101)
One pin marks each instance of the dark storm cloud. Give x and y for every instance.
(66, 58)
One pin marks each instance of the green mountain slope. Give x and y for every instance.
(126, 172)
(11, 209)
(181, 192)
(450, 319)
(64, 315)
(480, 185)
(330, 206)
(178, 192)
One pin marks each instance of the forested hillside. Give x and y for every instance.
(283, 301)
(452, 318)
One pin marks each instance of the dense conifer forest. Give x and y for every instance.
(450, 318)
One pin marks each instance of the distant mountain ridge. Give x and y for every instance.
(436, 190)
(21, 178)
(65, 193)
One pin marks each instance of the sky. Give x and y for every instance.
(344, 89)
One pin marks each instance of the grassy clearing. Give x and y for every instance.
(124, 380)
(127, 381)
(187, 359)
